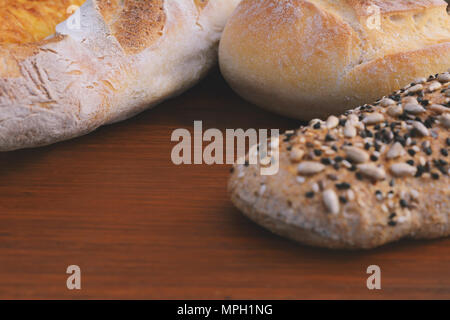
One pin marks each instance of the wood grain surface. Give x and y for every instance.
(141, 227)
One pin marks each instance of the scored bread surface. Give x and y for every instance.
(125, 56)
(376, 174)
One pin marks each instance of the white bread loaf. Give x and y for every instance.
(126, 57)
(311, 58)
(374, 175)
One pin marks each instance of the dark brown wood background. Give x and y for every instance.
(113, 203)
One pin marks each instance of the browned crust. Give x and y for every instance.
(201, 4)
(136, 24)
(28, 21)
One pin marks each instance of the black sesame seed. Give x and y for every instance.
(318, 152)
(391, 221)
(373, 158)
(316, 125)
(400, 140)
(442, 170)
(334, 148)
(392, 183)
(447, 141)
(377, 146)
(359, 176)
(429, 122)
(428, 151)
(403, 203)
(289, 148)
(419, 172)
(343, 199)
(444, 152)
(435, 175)
(329, 137)
(310, 194)
(325, 161)
(410, 162)
(367, 146)
(343, 186)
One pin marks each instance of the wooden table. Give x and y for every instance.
(113, 203)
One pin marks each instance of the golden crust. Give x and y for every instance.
(25, 21)
(136, 24)
(83, 78)
(201, 4)
(310, 58)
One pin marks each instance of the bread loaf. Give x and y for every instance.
(121, 58)
(311, 58)
(376, 174)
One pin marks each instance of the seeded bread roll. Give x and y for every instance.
(312, 58)
(111, 60)
(376, 174)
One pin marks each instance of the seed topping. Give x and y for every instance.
(331, 201)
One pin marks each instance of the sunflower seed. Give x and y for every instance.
(420, 127)
(414, 108)
(331, 201)
(435, 85)
(445, 120)
(332, 122)
(395, 111)
(403, 169)
(372, 171)
(444, 77)
(439, 108)
(296, 154)
(386, 102)
(373, 118)
(414, 89)
(395, 151)
(310, 167)
(420, 80)
(349, 131)
(356, 155)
